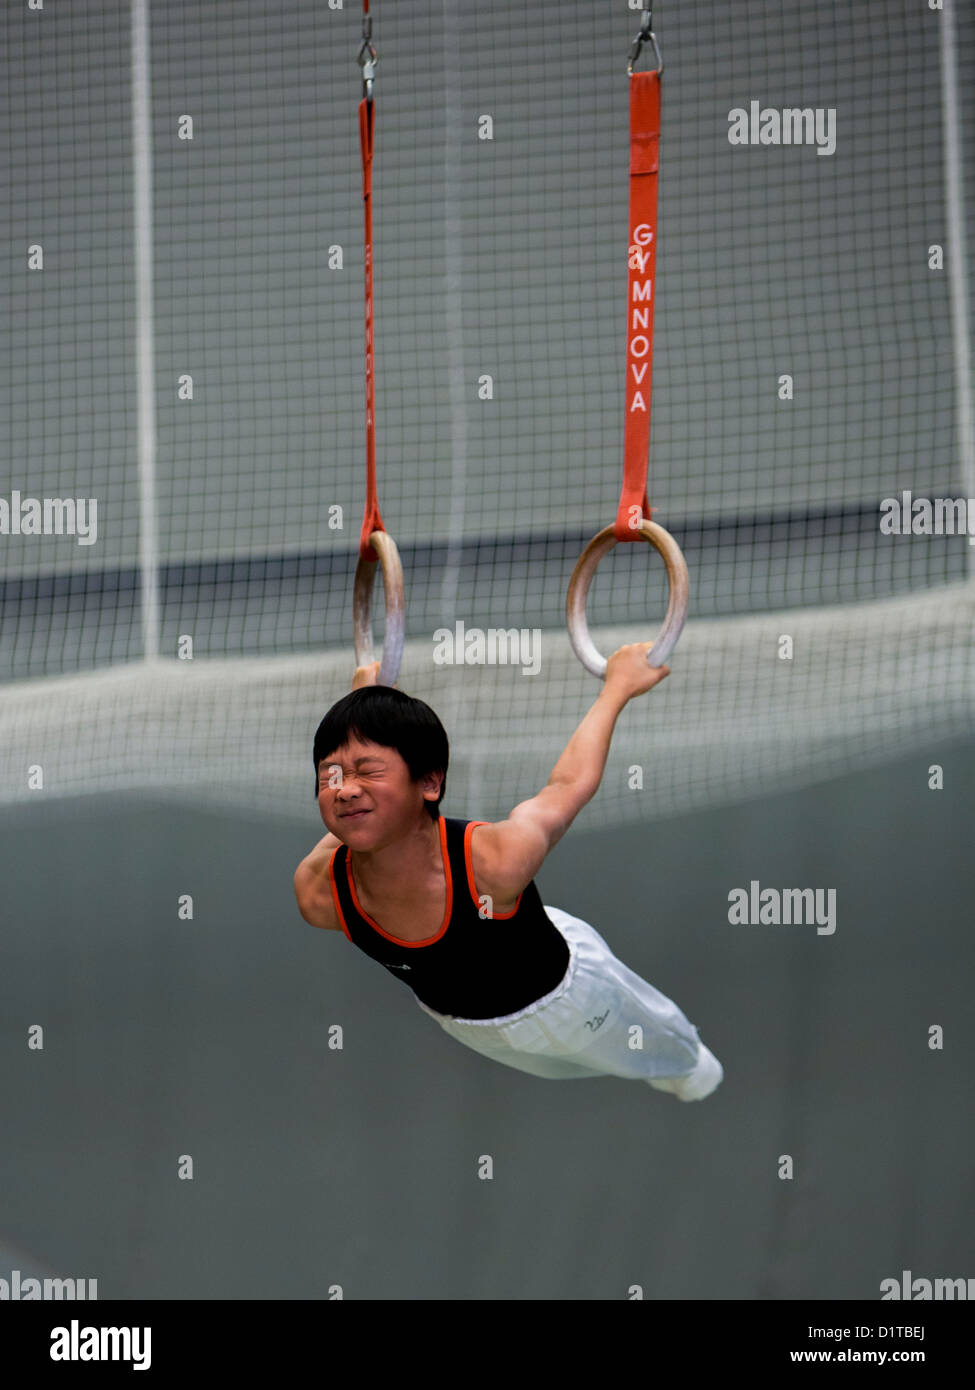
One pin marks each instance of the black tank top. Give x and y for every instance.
(474, 967)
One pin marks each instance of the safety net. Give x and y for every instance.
(183, 390)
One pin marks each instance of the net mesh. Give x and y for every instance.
(891, 678)
(500, 292)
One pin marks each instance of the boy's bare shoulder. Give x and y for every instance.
(313, 889)
(504, 859)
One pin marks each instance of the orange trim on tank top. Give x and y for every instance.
(335, 892)
(448, 906)
(495, 916)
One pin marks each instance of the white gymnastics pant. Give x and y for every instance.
(601, 1020)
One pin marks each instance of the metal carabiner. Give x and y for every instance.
(646, 33)
(368, 57)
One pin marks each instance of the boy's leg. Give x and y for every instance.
(628, 1027)
(705, 1078)
(602, 1020)
(492, 1038)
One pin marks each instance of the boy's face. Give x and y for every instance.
(365, 791)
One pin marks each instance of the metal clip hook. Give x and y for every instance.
(646, 34)
(368, 57)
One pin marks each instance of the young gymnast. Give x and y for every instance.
(449, 906)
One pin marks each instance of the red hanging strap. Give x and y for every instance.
(641, 293)
(371, 521)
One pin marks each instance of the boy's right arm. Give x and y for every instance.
(313, 889)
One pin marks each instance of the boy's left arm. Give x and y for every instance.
(511, 852)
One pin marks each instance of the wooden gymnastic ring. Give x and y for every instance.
(575, 603)
(365, 574)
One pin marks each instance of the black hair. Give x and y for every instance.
(393, 719)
